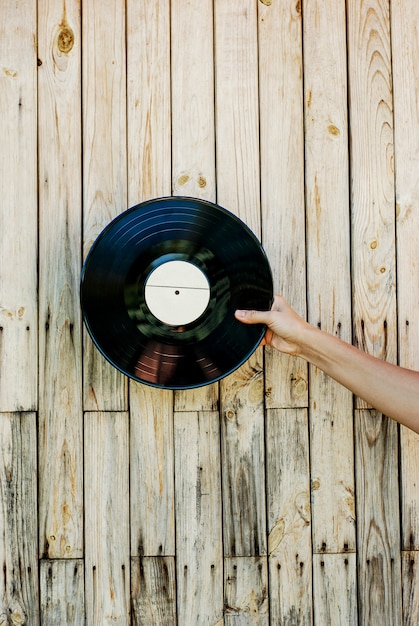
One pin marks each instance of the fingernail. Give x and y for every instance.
(240, 313)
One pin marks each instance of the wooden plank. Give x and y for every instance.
(378, 526)
(18, 214)
(405, 65)
(410, 577)
(107, 560)
(62, 592)
(199, 565)
(193, 143)
(289, 516)
(60, 350)
(246, 591)
(151, 472)
(149, 176)
(238, 185)
(328, 265)
(335, 587)
(282, 182)
(243, 464)
(372, 178)
(18, 519)
(148, 100)
(153, 591)
(104, 166)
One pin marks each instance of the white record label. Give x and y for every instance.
(177, 292)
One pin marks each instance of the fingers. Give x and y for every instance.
(252, 317)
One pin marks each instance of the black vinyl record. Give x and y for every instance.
(159, 288)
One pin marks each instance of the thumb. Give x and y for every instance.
(252, 317)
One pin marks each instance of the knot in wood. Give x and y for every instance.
(65, 40)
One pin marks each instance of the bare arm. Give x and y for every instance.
(390, 389)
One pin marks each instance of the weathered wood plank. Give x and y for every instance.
(405, 65)
(104, 165)
(199, 565)
(243, 464)
(149, 176)
(238, 187)
(153, 591)
(60, 350)
(410, 577)
(151, 472)
(335, 587)
(18, 214)
(289, 516)
(107, 560)
(62, 592)
(148, 100)
(193, 143)
(18, 519)
(246, 591)
(378, 525)
(282, 181)
(328, 268)
(372, 179)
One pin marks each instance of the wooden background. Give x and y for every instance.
(273, 497)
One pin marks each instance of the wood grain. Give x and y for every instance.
(328, 269)
(153, 591)
(410, 577)
(18, 213)
(243, 462)
(282, 182)
(289, 516)
(335, 589)
(60, 342)
(151, 472)
(405, 64)
(378, 528)
(62, 592)
(193, 131)
(107, 556)
(372, 178)
(104, 166)
(246, 591)
(18, 519)
(199, 564)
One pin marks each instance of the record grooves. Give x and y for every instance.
(159, 288)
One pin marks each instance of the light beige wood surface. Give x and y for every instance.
(60, 345)
(18, 216)
(104, 165)
(405, 65)
(272, 497)
(328, 269)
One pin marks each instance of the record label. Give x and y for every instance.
(160, 286)
(177, 293)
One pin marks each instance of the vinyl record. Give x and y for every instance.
(159, 288)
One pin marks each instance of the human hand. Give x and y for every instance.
(285, 328)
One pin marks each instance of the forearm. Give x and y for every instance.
(391, 390)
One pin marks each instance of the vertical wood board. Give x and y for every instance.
(18, 519)
(289, 515)
(60, 351)
(153, 591)
(199, 565)
(282, 181)
(18, 213)
(193, 130)
(62, 592)
(405, 66)
(104, 166)
(107, 555)
(328, 268)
